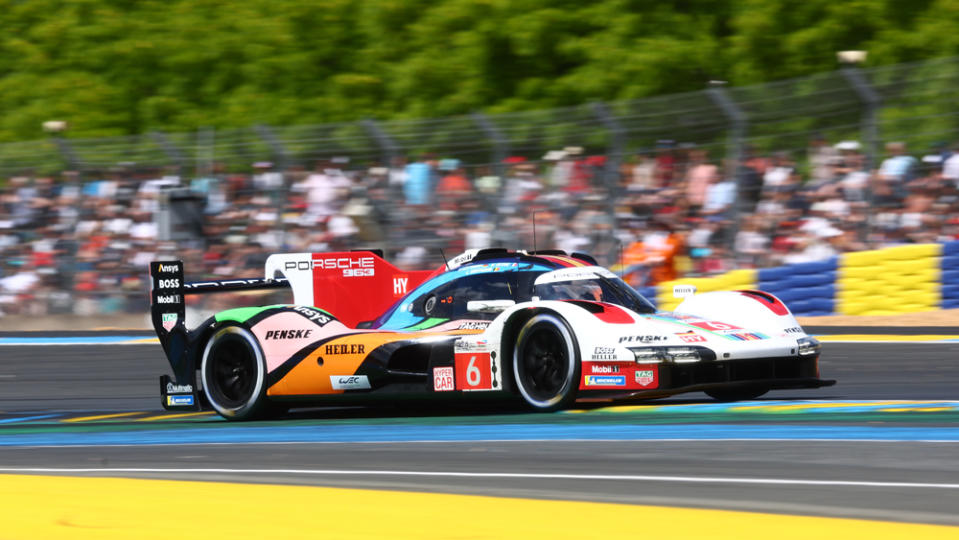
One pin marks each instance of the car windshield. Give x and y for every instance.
(594, 284)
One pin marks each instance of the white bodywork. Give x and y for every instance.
(734, 325)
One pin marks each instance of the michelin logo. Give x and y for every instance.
(186, 399)
(605, 380)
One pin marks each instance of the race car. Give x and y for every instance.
(546, 327)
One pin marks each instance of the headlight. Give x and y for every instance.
(808, 346)
(649, 355)
(682, 355)
(677, 355)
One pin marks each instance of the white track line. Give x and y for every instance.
(474, 441)
(528, 476)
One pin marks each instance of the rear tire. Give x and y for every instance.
(546, 365)
(736, 394)
(234, 374)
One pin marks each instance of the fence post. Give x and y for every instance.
(205, 151)
(390, 151)
(870, 98)
(66, 151)
(498, 156)
(500, 144)
(614, 158)
(280, 156)
(172, 153)
(388, 148)
(735, 143)
(280, 162)
(869, 128)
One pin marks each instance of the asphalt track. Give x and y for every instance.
(883, 444)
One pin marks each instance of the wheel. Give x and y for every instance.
(234, 374)
(546, 364)
(736, 394)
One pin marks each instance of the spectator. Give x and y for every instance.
(950, 167)
(652, 259)
(894, 173)
(699, 177)
(418, 182)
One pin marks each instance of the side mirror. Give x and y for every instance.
(489, 306)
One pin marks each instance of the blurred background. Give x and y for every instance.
(687, 140)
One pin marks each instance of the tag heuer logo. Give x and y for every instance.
(169, 320)
(645, 377)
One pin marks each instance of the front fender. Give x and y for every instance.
(749, 309)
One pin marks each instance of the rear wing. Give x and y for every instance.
(355, 286)
(168, 315)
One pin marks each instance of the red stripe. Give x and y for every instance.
(771, 302)
(565, 262)
(614, 314)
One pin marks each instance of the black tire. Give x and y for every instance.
(546, 365)
(736, 394)
(233, 371)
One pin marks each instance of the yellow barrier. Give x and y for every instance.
(901, 279)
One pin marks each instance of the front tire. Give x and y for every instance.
(233, 371)
(546, 365)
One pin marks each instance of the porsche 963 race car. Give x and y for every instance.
(546, 327)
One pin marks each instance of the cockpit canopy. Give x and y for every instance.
(592, 283)
(447, 296)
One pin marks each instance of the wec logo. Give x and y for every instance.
(349, 382)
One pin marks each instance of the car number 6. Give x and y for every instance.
(473, 375)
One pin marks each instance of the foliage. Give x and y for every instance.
(113, 67)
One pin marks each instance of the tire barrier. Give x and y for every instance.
(806, 288)
(890, 281)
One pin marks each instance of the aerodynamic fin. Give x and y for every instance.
(355, 286)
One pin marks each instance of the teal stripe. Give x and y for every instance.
(687, 325)
(428, 323)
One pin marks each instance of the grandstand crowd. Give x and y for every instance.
(82, 244)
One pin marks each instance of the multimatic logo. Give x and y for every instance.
(168, 299)
(288, 334)
(179, 388)
(351, 348)
(312, 314)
